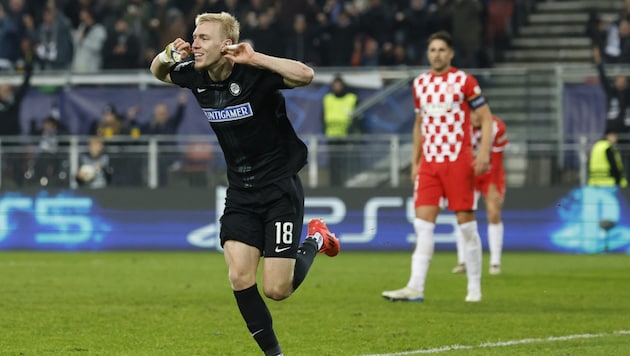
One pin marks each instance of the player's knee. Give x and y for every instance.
(494, 217)
(494, 213)
(277, 292)
(240, 280)
(465, 216)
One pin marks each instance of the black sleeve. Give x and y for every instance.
(108, 172)
(272, 80)
(184, 74)
(604, 80)
(615, 172)
(26, 82)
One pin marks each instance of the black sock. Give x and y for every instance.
(305, 256)
(258, 319)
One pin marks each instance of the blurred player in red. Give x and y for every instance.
(443, 165)
(491, 186)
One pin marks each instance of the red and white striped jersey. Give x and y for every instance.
(443, 101)
(499, 136)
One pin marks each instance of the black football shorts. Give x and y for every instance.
(269, 218)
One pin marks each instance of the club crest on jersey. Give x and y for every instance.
(450, 89)
(235, 89)
(230, 113)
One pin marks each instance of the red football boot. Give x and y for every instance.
(330, 245)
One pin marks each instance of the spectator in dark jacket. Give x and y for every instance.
(53, 40)
(10, 102)
(13, 28)
(617, 46)
(301, 41)
(617, 103)
(122, 48)
(596, 31)
(338, 39)
(10, 105)
(269, 36)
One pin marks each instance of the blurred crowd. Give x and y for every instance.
(610, 37)
(89, 35)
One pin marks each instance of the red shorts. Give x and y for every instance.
(454, 181)
(494, 176)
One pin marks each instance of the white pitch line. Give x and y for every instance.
(503, 343)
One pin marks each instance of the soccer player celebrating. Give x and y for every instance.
(442, 163)
(238, 90)
(491, 186)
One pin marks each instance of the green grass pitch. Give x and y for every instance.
(180, 303)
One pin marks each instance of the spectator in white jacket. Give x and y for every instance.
(89, 39)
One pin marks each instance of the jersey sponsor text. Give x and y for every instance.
(231, 113)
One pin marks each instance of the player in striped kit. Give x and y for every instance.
(491, 186)
(443, 165)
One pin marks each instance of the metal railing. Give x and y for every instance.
(362, 161)
(529, 100)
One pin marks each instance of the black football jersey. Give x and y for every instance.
(247, 112)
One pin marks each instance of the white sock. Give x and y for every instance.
(319, 239)
(495, 240)
(472, 253)
(459, 243)
(422, 254)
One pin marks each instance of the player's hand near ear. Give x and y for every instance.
(239, 53)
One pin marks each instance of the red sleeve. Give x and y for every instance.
(471, 88)
(472, 93)
(500, 136)
(416, 97)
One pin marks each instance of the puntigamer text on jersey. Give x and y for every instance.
(230, 113)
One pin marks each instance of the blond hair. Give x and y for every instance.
(229, 24)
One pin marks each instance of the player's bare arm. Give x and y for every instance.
(295, 73)
(162, 63)
(416, 155)
(482, 160)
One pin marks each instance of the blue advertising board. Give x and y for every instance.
(551, 219)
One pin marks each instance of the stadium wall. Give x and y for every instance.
(542, 219)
